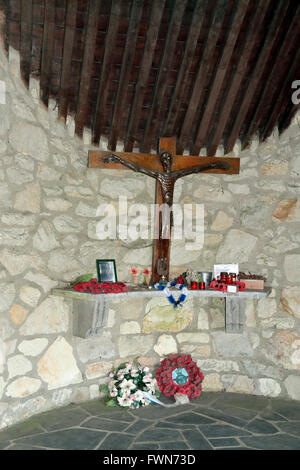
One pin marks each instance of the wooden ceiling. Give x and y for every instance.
(208, 71)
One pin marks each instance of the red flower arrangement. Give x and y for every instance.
(179, 374)
(96, 287)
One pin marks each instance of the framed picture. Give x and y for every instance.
(106, 270)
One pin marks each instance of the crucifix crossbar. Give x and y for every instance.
(166, 169)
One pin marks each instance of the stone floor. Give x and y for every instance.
(214, 421)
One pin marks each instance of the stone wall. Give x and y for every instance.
(48, 203)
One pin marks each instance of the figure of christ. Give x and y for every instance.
(166, 178)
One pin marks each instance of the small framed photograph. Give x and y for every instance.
(106, 270)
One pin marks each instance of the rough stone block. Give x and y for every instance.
(161, 316)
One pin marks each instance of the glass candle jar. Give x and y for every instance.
(193, 285)
(202, 285)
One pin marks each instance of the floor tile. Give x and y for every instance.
(25, 447)
(250, 402)
(196, 441)
(145, 446)
(260, 426)
(167, 424)
(240, 413)
(158, 412)
(97, 408)
(224, 442)
(61, 419)
(68, 439)
(156, 435)
(218, 415)
(116, 441)
(189, 418)
(290, 427)
(104, 424)
(271, 415)
(178, 445)
(290, 410)
(138, 426)
(27, 428)
(4, 444)
(236, 448)
(222, 430)
(277, 442)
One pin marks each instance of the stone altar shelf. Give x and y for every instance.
(90, 310)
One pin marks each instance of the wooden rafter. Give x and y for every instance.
(136, 13)
(70, 26)
(222, 70)
(88, 58)
(4, 25)
(250, 45)
(162, 79)
(286, 90)
(185, 67)
(149, 48)
(47, 50)
(205, 63)
(287, 115)
(26, 39)
(285, 47)
(106, 68)
(256, 74)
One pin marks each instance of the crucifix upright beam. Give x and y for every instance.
(166, 169)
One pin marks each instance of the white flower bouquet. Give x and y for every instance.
(127, 384)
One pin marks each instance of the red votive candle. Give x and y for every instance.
(202, 285)
(193, 285)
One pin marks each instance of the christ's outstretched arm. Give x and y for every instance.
(198, 169)
(112, 158)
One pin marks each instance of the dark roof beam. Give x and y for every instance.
(104, 83)
(128, 57)
(185, 67)
(162, 79)
(87, 65)
(277, 22)
(208, 49)
(148, 54)
(70, 27)
(47, 50)
(222, 70)
(274, 72)
(250, 45)
(26, 39)
(283, 95)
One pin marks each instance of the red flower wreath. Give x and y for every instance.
(179, 374)
(96, 287)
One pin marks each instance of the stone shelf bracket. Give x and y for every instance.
(90, 311)
(234, 315)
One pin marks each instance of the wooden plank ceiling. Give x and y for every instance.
(207, 71)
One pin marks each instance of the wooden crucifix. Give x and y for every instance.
(165, 169)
